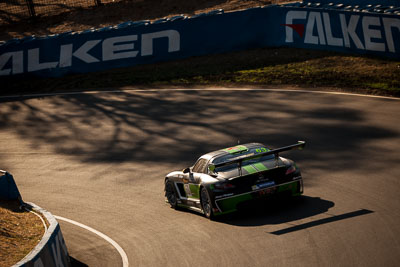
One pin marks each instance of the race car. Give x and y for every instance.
(221, 181)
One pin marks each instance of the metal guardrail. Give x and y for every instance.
(18, 10)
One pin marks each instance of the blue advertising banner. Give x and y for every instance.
(132, 45)
(137, 43)
(343, 31)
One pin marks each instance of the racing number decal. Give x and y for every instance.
(262, 150)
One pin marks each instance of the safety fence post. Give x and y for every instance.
(31, 8)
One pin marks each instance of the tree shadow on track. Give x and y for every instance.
(177, 127)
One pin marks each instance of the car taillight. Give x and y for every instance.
(291, 169)
(223, 186)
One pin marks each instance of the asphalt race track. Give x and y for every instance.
(100, 159)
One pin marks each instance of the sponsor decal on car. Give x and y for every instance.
(263, 185)
(236, 149)
(266, 191)
(261, 178)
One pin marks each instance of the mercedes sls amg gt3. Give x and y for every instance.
(220, 181)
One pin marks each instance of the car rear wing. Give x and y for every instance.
(300, 145)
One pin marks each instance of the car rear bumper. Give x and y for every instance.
(230, 203)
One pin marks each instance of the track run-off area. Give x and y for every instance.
(100, 158)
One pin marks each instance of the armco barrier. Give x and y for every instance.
(355, 29)
(51, 250)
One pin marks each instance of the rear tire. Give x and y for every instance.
(206, 204)
(170, 194)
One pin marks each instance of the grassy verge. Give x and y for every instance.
(259, 68)
(20, 232)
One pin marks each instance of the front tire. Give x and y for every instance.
(170, 194)
(206, 203)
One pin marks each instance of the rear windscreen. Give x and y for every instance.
(250, 152)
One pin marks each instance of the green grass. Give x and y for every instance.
(259, 68)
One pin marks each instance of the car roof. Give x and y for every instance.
(225, 151)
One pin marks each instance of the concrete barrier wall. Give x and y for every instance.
(357, 30)
(8, 187)
(51, 250)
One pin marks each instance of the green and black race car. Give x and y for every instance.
(221, 181)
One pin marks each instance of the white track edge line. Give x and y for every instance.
(124, 257)
(195, 89)
(40, 217)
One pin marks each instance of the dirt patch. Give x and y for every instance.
(114, 13)
(20, 232)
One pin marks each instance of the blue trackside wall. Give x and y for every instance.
(363, 29)
(338, 30)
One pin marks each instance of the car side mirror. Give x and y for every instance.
(186, 170)
(211, 170)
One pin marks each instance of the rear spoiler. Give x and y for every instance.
(300, 145)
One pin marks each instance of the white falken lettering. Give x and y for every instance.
(17, 59)
(118, 47)
(388, 24)
(34, 61)
(173, 41)
(372, 33)
(331, 40)
(314, 18)
(377, 32)
(349, 30)
(114, 48)
(291, 16)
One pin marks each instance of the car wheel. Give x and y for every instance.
(170, 194)
(206, 203)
